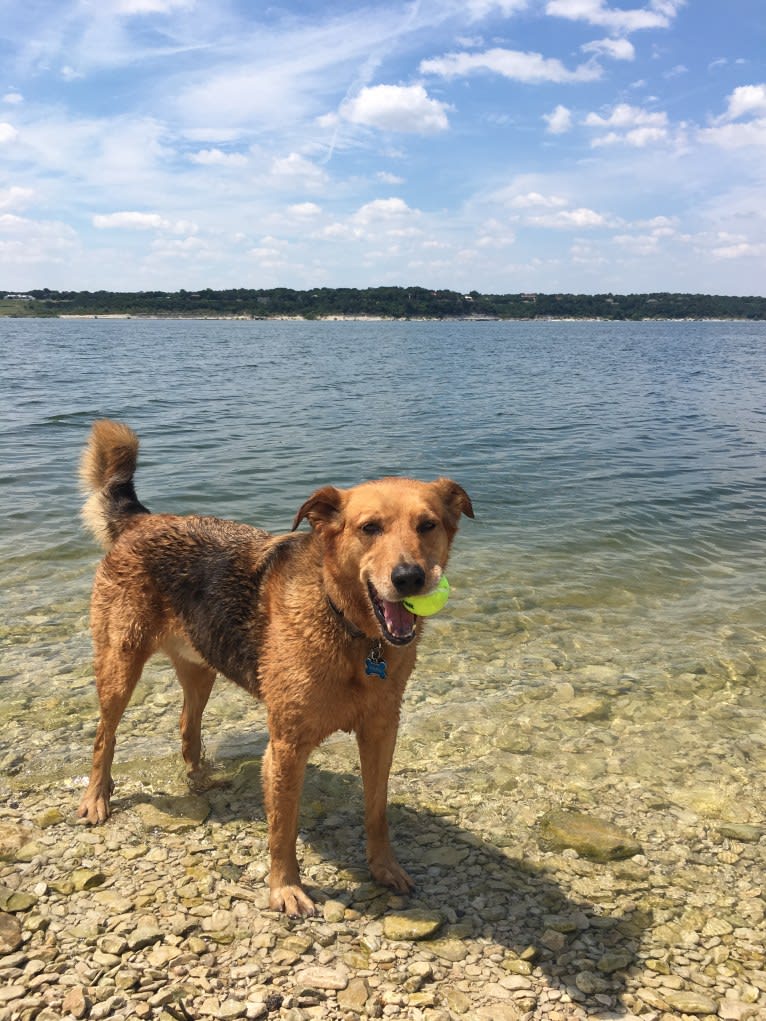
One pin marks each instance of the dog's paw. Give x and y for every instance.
(292, 900)
(390, 873)
(94, 808)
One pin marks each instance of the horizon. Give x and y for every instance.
(499, 146)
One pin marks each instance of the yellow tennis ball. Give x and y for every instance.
(427, 606)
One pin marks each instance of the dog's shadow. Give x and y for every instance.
(486, 893)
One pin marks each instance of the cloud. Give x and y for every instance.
(559, 120)
(631, 125)
(295, 170)
(7, 132)
(130, 7)
(129, 220)
(568, 219)
(218, 158)
(736, 136)
(730, 131)
(618, 49)
(15, 197)
(25, 242)
(746, 99)
(534, 199)
(13, 97)
(405, 108)
(304, 210)
(658, 14)
(531, 68)
(383, 210)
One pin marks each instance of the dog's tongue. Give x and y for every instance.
(399, 620)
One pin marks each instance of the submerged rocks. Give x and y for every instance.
(591, 837)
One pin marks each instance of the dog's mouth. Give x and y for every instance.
(396, 621)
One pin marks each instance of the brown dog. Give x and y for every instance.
(312, 623)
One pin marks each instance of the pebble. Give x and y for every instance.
(163, 914)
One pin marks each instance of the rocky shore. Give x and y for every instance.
(548, 886)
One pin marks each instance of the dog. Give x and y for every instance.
(311, 622)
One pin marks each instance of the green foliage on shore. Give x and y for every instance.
(384, 302)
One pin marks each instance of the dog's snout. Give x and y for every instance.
(408, 579)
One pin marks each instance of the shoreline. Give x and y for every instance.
(383, 319)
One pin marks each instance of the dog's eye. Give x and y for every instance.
(372, 528)
(426, 526)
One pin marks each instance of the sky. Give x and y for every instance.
(583, 146)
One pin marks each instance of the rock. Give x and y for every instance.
(689, 1002)
(76, 1002)
(174, 815)
(10, 934)
(143, 936)
(415, 924)
(448, 949)
(618, 961)
(355, 995)
(49, 817)
(16, 900)
(12, 838)
(323, 978)
(333, 911)
(743, 832)
(86, 879)
(591, 837)
(446, 856)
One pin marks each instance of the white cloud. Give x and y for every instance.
(568, 219)
(13, 97)
(617, 49)
(129, 220)
(559, 120)
(304, 210)
(515, 64)
(388, 178)
(295, 169)
(15, 197)
(658, 14)
(219, 158)
(736, 136)
(631, 125)
(130, 7)
(7, 133)
(383, 210)
(746, 99)
(25, 242)
(534, 200)
(740, 250)
(406, 108)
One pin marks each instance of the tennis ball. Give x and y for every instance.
(427, 606)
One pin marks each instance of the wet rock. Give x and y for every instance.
(323, 978)
(76, 1003)
(689, 1002)
(743, 832)
(86, 879)
(10, 933)
(591, 837)
(174, 815)
(355, 995)
(13, 837)
(415, 924)
(16, 900)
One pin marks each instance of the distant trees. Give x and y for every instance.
(387, 302)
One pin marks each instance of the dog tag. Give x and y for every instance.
(375, 665)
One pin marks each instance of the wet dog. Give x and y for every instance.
(312, 623)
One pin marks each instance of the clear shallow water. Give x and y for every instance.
(617, 470)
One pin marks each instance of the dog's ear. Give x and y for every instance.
(321, 508)
(455, 498)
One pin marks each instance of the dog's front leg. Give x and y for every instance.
(376, 740)
(284, 766)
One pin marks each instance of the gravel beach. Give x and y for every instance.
(576, 856)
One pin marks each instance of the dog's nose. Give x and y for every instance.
(408, 579)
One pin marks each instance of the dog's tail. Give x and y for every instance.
(106, 471)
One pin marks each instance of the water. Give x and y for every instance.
(617, 471)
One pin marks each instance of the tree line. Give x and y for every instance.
(384, 302)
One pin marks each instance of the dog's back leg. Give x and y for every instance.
(197, 681)
(117, 672)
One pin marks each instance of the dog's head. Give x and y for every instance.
(385, 541)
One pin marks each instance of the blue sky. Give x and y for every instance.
(496, 145)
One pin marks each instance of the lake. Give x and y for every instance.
(617, 470)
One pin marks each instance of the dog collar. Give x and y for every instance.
(374, 664)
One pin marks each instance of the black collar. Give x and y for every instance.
(352, 629)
